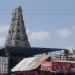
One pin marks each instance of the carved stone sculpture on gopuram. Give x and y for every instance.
(17, 36)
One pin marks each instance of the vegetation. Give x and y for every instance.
(66, 54)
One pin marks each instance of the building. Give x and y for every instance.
(11, 56)
(17, 45)
(59, 67)
(30, 66)
(42, 65)
(17, 36)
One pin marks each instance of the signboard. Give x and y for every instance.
(58, 66)
(61, 66)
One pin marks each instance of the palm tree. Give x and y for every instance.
(66, 53)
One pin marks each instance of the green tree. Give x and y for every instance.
(66, 54)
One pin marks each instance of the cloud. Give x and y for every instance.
(3, 33)
(73, 27)
(38, 37)
(27, 31)
(64, 33)
(2, 41)
(4, 28)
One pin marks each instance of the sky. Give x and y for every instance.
(49, 23)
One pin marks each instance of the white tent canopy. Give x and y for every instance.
(30, 63)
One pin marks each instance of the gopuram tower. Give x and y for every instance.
(17, 36)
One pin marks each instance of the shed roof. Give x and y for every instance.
(26, 52)
(30, 63)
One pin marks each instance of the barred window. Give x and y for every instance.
(3, 65)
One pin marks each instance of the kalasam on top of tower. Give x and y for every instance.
(17, 36)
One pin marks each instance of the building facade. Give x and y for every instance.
(17, 45)
(17, 36)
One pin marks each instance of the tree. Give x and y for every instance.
(73, 49)
(66, 53)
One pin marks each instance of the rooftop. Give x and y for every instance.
(26, 52)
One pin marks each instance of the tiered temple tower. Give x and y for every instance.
(17, 36)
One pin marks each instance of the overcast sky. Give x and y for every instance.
(49, 23)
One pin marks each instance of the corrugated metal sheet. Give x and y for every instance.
(30, 63)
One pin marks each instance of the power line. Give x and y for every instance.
(40, 12)
(41, 9)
